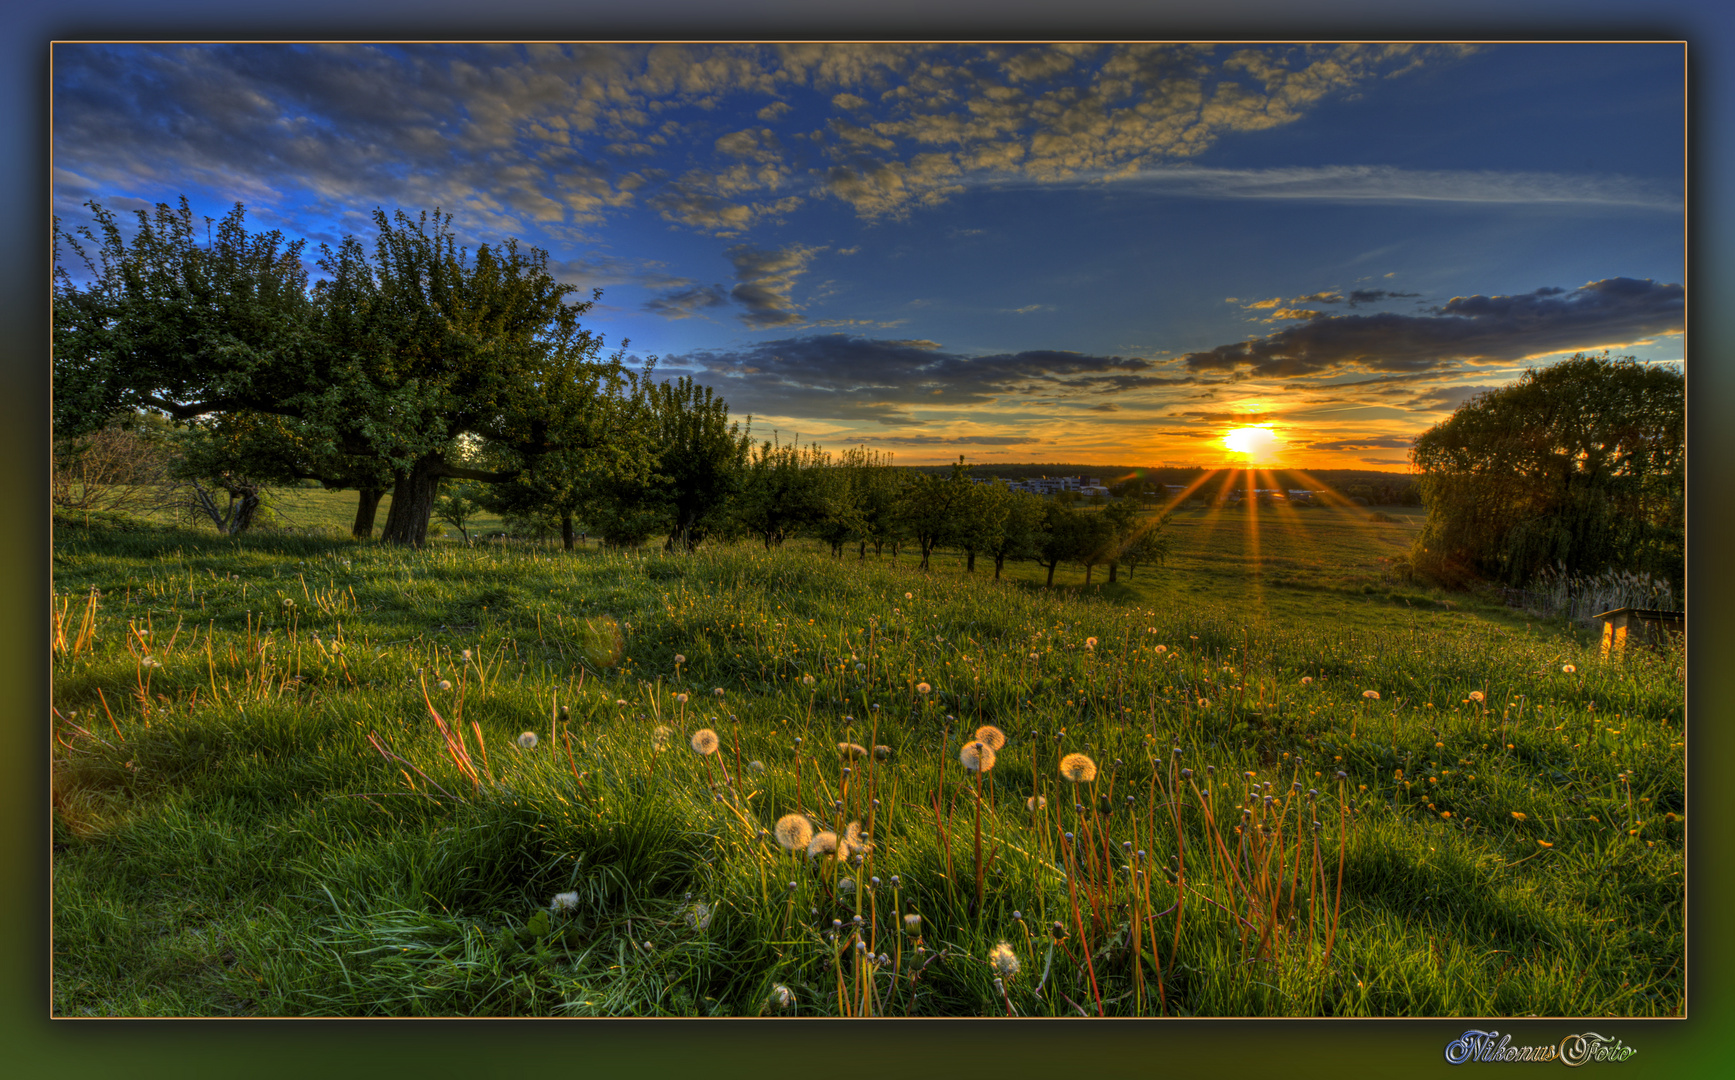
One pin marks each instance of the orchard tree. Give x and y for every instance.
(783, 490)
(933, 507)
(427, 344)
(1020, 534)
(172, 324)
(700, 459)
(1580, 465)
(1150, 542)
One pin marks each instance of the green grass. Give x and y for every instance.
(271, 822)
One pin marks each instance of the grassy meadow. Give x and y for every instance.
(299, 775)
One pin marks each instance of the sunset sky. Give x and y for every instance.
(1084, 254)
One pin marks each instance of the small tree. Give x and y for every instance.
(457, 507)
(1095, 542)
(934, 508)
(119, 468)
(1021, 528)
(1065, 532)
(783, 490)
(1149, 542)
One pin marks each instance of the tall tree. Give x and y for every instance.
(1579, 465)
(427, 344)
(934, 507)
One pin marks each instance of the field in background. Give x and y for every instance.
(266, 804)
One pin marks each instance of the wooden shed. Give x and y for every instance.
(1651, 627)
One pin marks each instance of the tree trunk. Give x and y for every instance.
(363, 529)
(999, 560)
(413, 502)
(970, 560)
(566, 529)
(1051, 567)
(243, 513)
(1111, 571)
(1087, 569)
(863, 555)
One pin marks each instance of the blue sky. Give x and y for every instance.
(1092, 254)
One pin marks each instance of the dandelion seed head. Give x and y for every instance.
(912, 924)
(1306, 679)
(1569, 669)
(1078, 768)
(1371, 695)
(824, 843)
(718, 691)
(444, 685)
(993, 736)
(909, 596)
(1090, 643)
(660, 736)
(698, 916)
(1035, 803)
(680, 699)
(922, 688)
(704, 741)
(564, 902)
(882, 752)
(977, 756)
(807, 680)
(1477, 695)
(852, 751)
(782, 997)
(1003, 960)
(527, 740)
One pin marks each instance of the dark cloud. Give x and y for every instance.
(685, 303)
(766, 278)
(1446, 397)
(962, 440)
(1466, 329)
(1374, 296)
(1393, 442)
(1107, 406)
(1223, 417)
(839, 376)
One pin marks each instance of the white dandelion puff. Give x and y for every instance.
(793, 831)
(977, 756)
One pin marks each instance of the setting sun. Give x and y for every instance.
(1255, 442)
